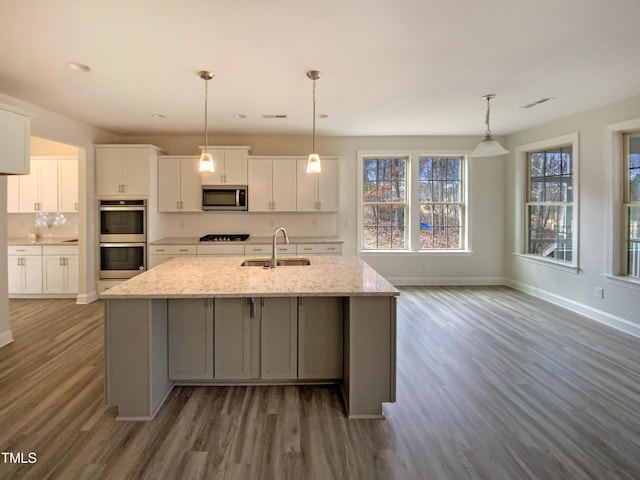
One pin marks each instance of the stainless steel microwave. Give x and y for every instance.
(224, 197)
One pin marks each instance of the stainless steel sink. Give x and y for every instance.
(282, 262)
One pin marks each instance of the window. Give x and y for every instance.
(632, 202)
(550, 203)
(384, 205)
(412, 202)
(439, 194)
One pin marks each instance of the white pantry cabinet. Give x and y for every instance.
(318, 192)
(179, 187)
(15, 137)
(59, 269)
(24, 264)
(272, 184)
(229, 165)
(123, 170)
(190, 338)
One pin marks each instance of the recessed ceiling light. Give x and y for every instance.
(78, 67)
(239, 115)
(158, 115)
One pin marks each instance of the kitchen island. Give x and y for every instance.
(211, 321)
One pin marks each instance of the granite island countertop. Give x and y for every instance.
(207, 277)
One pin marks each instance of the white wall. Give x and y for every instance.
(621, 303)
(486, 181)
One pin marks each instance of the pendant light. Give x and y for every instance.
(489, 147)
(313, 162)
(206, 160)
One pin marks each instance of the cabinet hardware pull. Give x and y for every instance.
(61, 262)
(160, 249)
(76, 206)
(20, 250)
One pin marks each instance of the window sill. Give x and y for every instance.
(624, 281)
(455, 253)
(548, 263)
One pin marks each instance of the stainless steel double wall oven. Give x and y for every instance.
(123, 238)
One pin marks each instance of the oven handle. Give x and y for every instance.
(123, 209)
(123, 244)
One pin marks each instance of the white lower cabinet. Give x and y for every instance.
(24, 269)
(319, 249)
(161, 253)
(237, 339)
(278, 341)
(190, 338)
(59, 269)
(320, 337)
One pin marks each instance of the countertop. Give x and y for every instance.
(251, 241)
(42, 241)
(207, 277)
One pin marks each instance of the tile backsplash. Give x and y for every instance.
(22, 224)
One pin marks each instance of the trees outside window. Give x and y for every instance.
(632, 202)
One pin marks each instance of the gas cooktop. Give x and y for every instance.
(225, 237)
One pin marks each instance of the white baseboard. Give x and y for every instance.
(84, 298)
(430, 281)
(592, 313)
(6, 338)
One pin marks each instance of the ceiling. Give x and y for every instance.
(407, 67)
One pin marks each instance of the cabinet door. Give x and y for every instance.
(67, 185)
(108, 171)
(235, 322)
(278, 347)
(259, 178)
(155, 260)
(190, 185)
(13, 193)
(217, 177)
(15, 273)
(306, 187)
(190, 337)
(29, 186)
(168, 184)
(32, 274)
(135, 171)
(52, 274)
(328, 186)
(284, 185)
(320, 337)
(235, 167)
(15, 133)
(72, 273)
(48, 186)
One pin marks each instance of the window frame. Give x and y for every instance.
(522, 192)
(627, 203)
(412, 213)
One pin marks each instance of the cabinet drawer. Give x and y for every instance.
(319, 249)
(266, 249)
(24, 250)
(172, 250)
(220, 250)
(59, 250)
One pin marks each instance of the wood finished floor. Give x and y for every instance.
(492, 384)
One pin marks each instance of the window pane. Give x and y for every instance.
(383, 226)
(439, 179)
(633, 175)
(440, 226)
(551, 175)
(633, 242)
(384, 179)
(550, 233)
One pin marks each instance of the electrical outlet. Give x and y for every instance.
(598, 292)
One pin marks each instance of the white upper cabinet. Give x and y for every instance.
(123, 170)
(272, 184)
(318, 192)
(229, 166)
(15, 137)
(179, 188)
(52, 186)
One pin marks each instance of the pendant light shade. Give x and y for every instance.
(313, 162)
(489, 147)
(206, 160)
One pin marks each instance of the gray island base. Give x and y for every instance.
(210, 321)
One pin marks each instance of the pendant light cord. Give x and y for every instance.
(313, 145)
(206, 101)
(488, 131)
